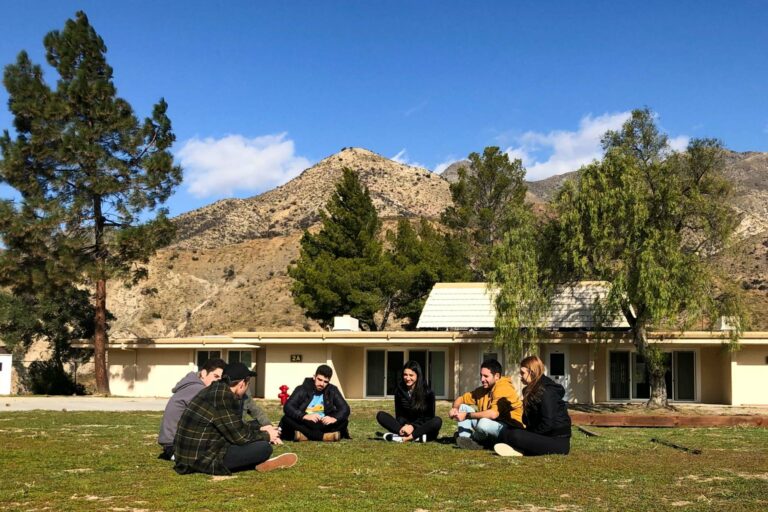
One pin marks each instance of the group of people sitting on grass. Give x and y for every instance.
(204, 428)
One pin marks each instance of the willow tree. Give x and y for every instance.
(87, 172)
(645, 218)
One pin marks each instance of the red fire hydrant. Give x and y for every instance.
(283, 395)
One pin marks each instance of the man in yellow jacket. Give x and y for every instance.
(483, 413)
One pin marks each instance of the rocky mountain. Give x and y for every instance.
(397, 190)
(227, 269)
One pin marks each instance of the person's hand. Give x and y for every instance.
(274, 436)
(453, 413)
(406, 431)
(270, 429)
(465, 414)
(328, 420)
(314, 418)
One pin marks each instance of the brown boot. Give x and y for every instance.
(285, 460)
(330, 437)
(298, 436)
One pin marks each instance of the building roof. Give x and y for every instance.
(472, 306)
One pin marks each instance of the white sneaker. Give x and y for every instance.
(389, 436)
(422, 439)
(506, 451)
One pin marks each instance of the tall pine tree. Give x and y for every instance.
(342, 268)
(86, 169)
(486, 201)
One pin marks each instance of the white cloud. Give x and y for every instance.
(560, 151)
(679, 143)
(402, 158)
(218, 167)
(556, 152)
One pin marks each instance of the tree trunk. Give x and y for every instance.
(100, 320)
(100, 338)
(656, 370)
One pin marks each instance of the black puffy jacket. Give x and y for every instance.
(405, 408)
(333, 403)
(547, 413)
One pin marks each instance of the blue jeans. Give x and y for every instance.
(480, 430)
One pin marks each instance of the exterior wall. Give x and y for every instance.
(726, 383)
(750, 375)
(711, 375)
(279, 370)
(5, 374)
(261, 372)
(580, 375)
(351, 364)
(148, 372)
(601, 371)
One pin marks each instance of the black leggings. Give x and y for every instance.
(313, 431)
(431, 427)
(246, 456)
(531, 443)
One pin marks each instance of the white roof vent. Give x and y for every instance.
(346, 323)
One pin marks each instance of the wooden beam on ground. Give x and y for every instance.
(666, 420)
(589, 433)
(694, 451)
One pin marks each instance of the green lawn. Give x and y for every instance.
(107, 461)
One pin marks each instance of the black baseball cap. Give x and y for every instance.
(237, 371)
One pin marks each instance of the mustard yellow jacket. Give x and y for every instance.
(502, 397)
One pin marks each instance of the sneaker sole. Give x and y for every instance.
(506, 451)
(466, 443)
(286, 460)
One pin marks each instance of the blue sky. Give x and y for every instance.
(258, 91)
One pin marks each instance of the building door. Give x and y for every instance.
(619, 381)
(684, 375)
(395, 362)
(558, 368)
(375, 372)
(383, 367)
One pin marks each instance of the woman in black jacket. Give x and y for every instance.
(545, 414)
(415, 418)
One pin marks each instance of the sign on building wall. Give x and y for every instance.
(295, 358)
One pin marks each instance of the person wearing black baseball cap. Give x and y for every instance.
(213, 438)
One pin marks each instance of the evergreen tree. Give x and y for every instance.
(644, 218)
(421, 258)
(486, 199)
(86, 170)
(342, 268)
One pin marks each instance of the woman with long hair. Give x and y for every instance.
(414, 418)
(545, 414)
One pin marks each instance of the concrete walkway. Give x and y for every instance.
(79, 403)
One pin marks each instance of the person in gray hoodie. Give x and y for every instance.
(183, 393)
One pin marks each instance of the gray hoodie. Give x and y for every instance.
(183, 393)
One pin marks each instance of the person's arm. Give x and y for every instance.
(257, 413)
(292, 406)
(547, 412)
(229, 422)
(491, 414)
(342, 407)
(454, 412)
(399, 398)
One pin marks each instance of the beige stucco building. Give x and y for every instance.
(455, 337)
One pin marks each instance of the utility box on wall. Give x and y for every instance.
(6, 367)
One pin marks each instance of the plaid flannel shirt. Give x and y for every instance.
(210, 424)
